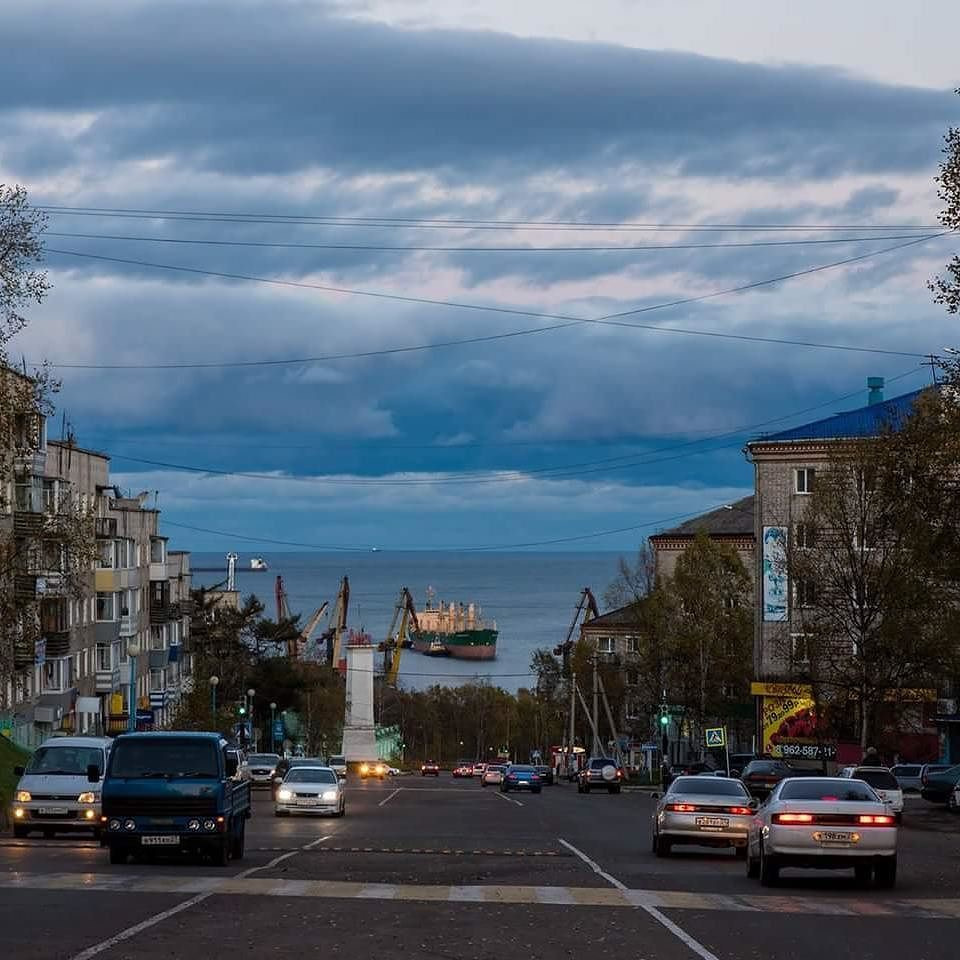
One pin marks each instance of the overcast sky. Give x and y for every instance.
(612, 112)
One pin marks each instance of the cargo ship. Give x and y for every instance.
(455, 630)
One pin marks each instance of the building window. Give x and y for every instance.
(633, 645)
(50, 496)
(804, 480)
(805, 535)
(56, 675)
(156, 679)
(805, 593)
(54, 617)
(158, 550)
(799, 648)
(104, 657)
(605, 645)
(108, 555)
(106, 607)
(157, 639)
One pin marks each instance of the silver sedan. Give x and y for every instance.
(311, 790)
(828, 823)
(706, 811)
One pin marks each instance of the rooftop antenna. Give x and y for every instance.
(231, 572)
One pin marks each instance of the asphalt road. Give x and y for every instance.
(447, 869)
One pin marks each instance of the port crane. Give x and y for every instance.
(333, 635)
(297, 640)
(404, 618)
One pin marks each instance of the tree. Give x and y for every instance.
(633, 582)
(947, 289)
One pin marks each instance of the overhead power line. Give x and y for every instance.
(423, 248)
(451, 223)
(562, 472)
(566, 320)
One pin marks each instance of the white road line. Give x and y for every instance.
(317, 842)
(131, 932)
(694, 945)
(503, 796)
(386, 800)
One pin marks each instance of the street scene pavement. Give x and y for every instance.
(448, 869)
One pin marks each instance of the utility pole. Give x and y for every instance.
(597, 750)
(573, 727)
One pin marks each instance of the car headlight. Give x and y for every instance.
(193, 825)
(209, 825)
(114, 824)
(130, 825)
(329, 796)
(88, 797)
(285, 795)
(23, 796)
(364, 768)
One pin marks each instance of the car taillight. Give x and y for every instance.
(681, 807)
(740, 811)
(793, 818)
(619, 774)
(876, 820)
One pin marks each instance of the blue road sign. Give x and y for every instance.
(716, 736)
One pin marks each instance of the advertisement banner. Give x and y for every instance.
(789, 726)
(774, 574)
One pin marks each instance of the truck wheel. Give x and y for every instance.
(221, 852)
(118, 855)
(237, 844)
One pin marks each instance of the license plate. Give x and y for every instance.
(307, 803)
(836, 836)
(713, 822)
(164, 840)
(52, 811)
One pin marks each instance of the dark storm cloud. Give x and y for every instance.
(277, 87)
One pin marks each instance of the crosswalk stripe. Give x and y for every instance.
(196, 884)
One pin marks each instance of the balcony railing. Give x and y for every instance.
(27, 524)
(24, 586)
(106, 528)
(160, 611)
(58, 642)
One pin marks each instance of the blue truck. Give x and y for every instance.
(172, 791)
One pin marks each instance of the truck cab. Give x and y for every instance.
(170, 792)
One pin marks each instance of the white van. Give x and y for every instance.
(54, 793)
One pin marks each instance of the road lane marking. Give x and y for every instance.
(694, 945)
(385, 801)
(200, 888)
(503, 796)
(131, 932)
(316, 843)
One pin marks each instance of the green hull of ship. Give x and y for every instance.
(463, 645)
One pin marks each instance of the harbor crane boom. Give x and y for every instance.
(333, 635)
(405, 613)
(296, 639)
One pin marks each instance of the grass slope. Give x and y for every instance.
(10, 756)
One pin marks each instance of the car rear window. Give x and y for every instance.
(704, 786)
(765, 766)
(906, 771)
(521, 769)
(829, 790)
(601, 763)
(879, 779)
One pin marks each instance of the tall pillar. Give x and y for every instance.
(359, 735)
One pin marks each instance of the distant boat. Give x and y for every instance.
(374, 549)
(258, 565)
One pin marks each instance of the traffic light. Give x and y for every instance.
(664, 719)
(242, 710)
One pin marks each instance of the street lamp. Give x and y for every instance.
(273, 731)
(250, 694)
(214, 680)
(133, 651)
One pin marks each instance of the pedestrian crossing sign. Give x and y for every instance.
(716, 736)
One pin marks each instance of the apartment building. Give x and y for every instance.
(785, 474)
(69, 666)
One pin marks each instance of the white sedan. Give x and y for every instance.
(884, 783)
(708, 811)
(311, 790)
(492, 775)
(831, 823)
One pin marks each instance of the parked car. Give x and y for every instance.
(601, 773)
(684, 770)
(478, 769)
(939, 787)
(338, 764)
(260, 768)
(885, 785)
(376, 768)
(545, 773)
(830, 823)
(908, 775)
(761, 776)
(953, 804)
(430, 768)
(738, 762)
(710, 812)
(54, 793)
(311, 790)
(464, 768)
(492, 775)
(521, 776)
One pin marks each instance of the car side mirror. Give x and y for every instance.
(93, 773)
(19, 771)
(754, 803)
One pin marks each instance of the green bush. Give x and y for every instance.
(10, 756)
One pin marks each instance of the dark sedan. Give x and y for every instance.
(545, 774)
(761, 776)
(520, 777)
(938, 787)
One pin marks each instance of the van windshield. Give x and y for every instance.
(176, 757)
(65, 761)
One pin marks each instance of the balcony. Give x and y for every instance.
(106, 528)
(24, 653)
(27, 523)
(57, 643)
(107, 681)
(24, 587)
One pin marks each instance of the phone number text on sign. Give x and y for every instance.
(808, 751)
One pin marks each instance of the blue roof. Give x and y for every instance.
(868, 421)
